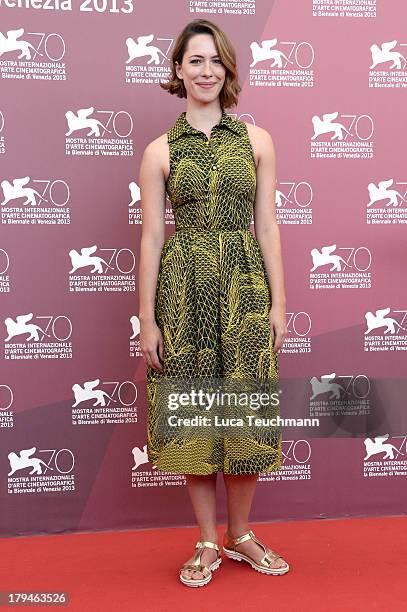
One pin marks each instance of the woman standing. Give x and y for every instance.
(212, 300)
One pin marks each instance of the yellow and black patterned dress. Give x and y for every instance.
(213, 297)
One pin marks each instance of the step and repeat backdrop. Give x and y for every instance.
(79, 101)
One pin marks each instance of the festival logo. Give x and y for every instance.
(384, 330)
(32, 56)
(339, 395)
(349, 268)
(104, 403)
(152, 477)
(146, 63)
(41, 471)
(347, 138)
(298, 339)
(295, 464)
(388, 67)
(115, 274)
(47, 339)
(294, 203)
(107, 133)
(281, 64)
(385, 456)
(387, 202)
(29, 201)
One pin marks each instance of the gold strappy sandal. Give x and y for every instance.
(229, 548)
(196, 565)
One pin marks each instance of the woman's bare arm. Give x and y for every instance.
(267, 230)
(152, 187)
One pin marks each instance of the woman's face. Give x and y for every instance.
(202, 65)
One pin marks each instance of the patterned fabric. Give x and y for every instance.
(213, 298)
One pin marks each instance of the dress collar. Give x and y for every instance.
(181, 126)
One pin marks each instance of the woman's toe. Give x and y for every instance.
(197, 575)
(194, 574)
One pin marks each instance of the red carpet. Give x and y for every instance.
(352, 564)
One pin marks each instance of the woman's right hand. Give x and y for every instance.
(151, 339)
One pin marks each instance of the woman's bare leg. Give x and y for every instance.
(240, 492)
(202, 492)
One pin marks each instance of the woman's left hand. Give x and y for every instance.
(278, 326)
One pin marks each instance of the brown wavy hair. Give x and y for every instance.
(231, 88)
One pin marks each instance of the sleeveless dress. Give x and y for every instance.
(213, 297)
